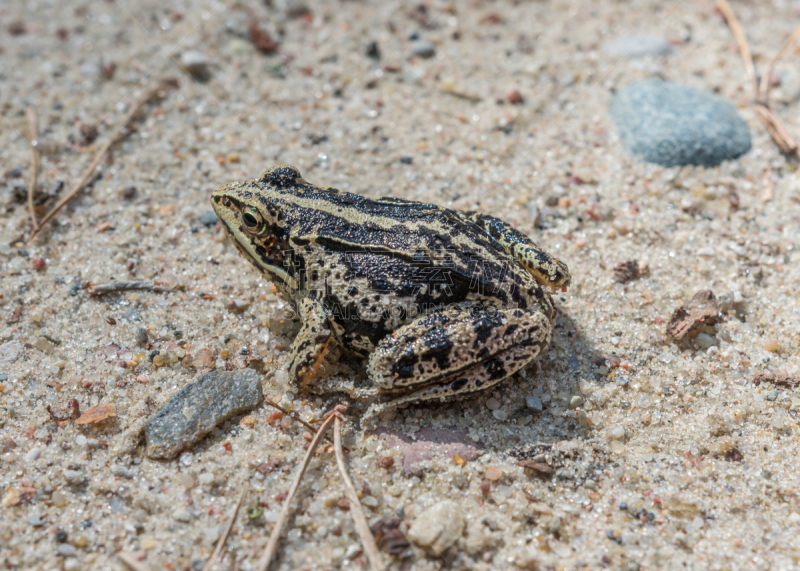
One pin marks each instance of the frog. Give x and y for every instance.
(441, 303)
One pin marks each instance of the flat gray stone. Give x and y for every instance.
(673, 125)
(209, 218)
(638, 46)
(197, 408)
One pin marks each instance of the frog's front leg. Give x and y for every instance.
(455, 352)
(308, 348)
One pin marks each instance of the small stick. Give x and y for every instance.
(272, 545)
(295, 416)
(121, 132)
(744, 48)
(359, 519)
(224, 538)
(36, 159)
(111, 287)
(769, 190)
(129, 560)
(761, 93)
(764, 87)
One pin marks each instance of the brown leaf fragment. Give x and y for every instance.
(733, 455)
(687, 319)
(540, 467)
(388, 537)
(778, 380)
(261, 39)
(96, 414)
(625, 272)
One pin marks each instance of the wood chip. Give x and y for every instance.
(777, 380)
(625, 272)
(687, 319)
(540, 467)
(96, 414)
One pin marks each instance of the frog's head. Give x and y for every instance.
(252, 213)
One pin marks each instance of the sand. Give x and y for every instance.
(673, 459)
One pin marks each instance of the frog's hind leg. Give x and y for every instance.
(310, 345)
(453, 355)
(546, 269)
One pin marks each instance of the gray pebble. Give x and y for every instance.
(35, 520)
(133, 315)
(141, 336)
(33, 454)
(704, 340)
(195, 64)
(182, 515)
(123, 472)
(772, 395)
(576, 401)
(73, 477)
(534, 403)
(638, 46)
(116, 504)
(209, 218)
(423, 49)
(66, 549)
(673, 125)
(200, 406)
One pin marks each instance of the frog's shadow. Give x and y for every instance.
(568, 358)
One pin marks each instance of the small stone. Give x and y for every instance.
(39, 264)
(141, 336)
(8, 445)
(209, 218)
(492, 473)
(129, 193)
(618, 432)
(772, 345)
(576, 401)
(59, 499)
(199, 407)
(514, 97)
(437, 528)
(33, 454)
(701, 310)
(195, 64)
(373, 51)
(534, 403)
(673, 125)
(638, 46)
(772, 395)
(500, 415)
(423, 49)
(73, 477)
(704, 340)
(35, 520)
(182, 515)
(493, 404)
(71, 564)
(66, 549)
(123, 472)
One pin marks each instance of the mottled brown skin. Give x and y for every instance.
(441, 302)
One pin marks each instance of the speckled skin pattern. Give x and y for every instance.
(673, 125)
(441, 302)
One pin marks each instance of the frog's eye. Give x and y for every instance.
(252, 220)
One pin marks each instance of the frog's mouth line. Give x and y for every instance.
(246, 246)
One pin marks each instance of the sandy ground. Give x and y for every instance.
(674, 459)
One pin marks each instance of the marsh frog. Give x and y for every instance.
(440, 302)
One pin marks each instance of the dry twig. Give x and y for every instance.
(36, 159)
(771, 122)
(111, 287)
(224, 538)
(121, 132)
(129, 560)
(293, 414)
(272, 545)
(359, 519)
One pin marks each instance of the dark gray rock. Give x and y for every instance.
(673, 125)
(209, 218)
(638, 46)
(423, 49)
(199, 407)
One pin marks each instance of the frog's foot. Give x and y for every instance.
(548, 271)
(443, 355)
(309, 347)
